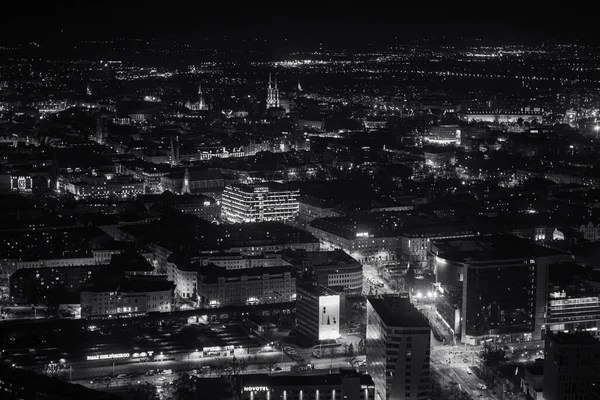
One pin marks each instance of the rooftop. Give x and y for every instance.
(317, 290)
(493, 247)
(572, 338)
(280, 380)
(398, 311)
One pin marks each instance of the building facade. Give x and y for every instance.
(218, 286)
(317, 312)
(257, 203)
(343, 385)
(398, 349)
(570, 366)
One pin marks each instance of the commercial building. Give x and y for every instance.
(570, 365)
(130, 295)
(329, 268)
(218, 286)
(398, 340)
(370, 239)
(105, 187)
(573, 311)
(258, 203)
(501, 281)
(344, 385)
(317, 312)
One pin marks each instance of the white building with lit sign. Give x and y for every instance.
(317, 312)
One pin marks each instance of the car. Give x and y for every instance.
(149, 373)
(167, 372)
(121, 376)
(162, 379)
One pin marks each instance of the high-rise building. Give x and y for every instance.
(258, 203)
(500, 284)
(570, 365)
(398, 340)
(317, 312)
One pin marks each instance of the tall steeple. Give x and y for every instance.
(174, 151)
(200, 97)
(186, 182)
(272, 93)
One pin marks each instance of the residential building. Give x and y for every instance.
(398, 349)
(218, 286)
(134, 295)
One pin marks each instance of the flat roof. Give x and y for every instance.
(493, 247)
(316, 289)
(324, 379)
(398, 311)
(573, 338)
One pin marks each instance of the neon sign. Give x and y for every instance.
(256, 389)
(112, 356)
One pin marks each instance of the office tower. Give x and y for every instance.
(258, 203)
(398, 340)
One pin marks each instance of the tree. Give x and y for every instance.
(146, 391)
(410, 277)
(362, 348)
(351, 350)
(269, 365)
(183, 388)
(492, 356)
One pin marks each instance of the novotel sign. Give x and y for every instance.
(112, 356)
(256, 389)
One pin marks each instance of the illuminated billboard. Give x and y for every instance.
(329, 317)
(69, 311)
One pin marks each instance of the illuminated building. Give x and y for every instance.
(342, 385)
(502, 283)
(272, 94)
(317, 312)
(218, 286)
(198, 181)
(330, 268)
(258, 203)
(200, 105)
(21, 183)
(444, 135)
(398, 338)
(131, 295)
(570, 365)
(375, 240)
(105, 187)
(577, 311)
(503, 116)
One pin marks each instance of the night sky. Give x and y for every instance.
(109, 18)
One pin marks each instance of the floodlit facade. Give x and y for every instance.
(258, 203)
(317, 312)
